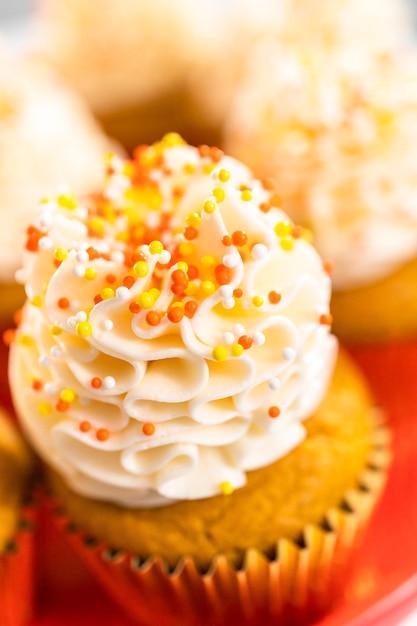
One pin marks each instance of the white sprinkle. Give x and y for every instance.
(50, 388)
(109, 382)
(82, 256)
(44, 360)
(228, 303)
(258, 338)
(123, 293)
(274, 384)
(72, 321)
(45, 243)
(164, 257)
(288, 354)
(56, 352)
(107, 325)
(239, 329)
(259, 251)
(228, 338)
(226, 291)
(144, 249)
(81, 316)
(46, 220)
(229, 260)
(78, 271)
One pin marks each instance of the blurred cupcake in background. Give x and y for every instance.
(337, 128)
(16, 536)
(48, 139)
(177, 375)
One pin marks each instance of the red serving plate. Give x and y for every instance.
(382, 587)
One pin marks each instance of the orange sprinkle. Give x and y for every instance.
(102, 434)
(33, 236)
(179, 277)
(276, 200)
(96, 382)
(223, 274)
(274, 411)
(62, 406)
(153, 318)
(190, 308)
(216, 154)
(227, 240)
(148, 429)
(134, 308)
(178, 288)
(110, 278)
(297, 231)
(268, 184)
(203, 150)
(326, 319)
(8, 336)
(175, 314)
(137, 256)
(85, 426)
(190, 232)
(193, 272)
(92, 253)
(129, 281)
(274, 297)
(63, 303)
(245, 341)
(239, 238)
(265, 207)
(37, 384)
(97, 298)
(328, 266)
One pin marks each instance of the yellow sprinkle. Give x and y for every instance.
(257, 301)
(96, 225)
(191, 288)
(178, 304)
(224, 175)
(236, 349)
(282, 229)
(182, 265)
(208, 287)
(146, 300)
(208, 168)
(209, 206)
(155, 293)
(155, 247)
(26, 340)
(172, 139)
(246, 195)
(220, 353)
(60, 254)
(193, 219)
(226, 488)
(83, 329)
(44, 408)
(307, 235)
(67, 201)
(219, 194)
(122, 236)
(55, 330)
(148, 157)
(140, 269)
(36, 301)
(186, 248)
(107, 293)
(189, 168)
(287, 243)
(128, 170)
(67, 395)
(90, 273)
(208, 261)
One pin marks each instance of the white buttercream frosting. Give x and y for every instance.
(176, 332)
(338, 132)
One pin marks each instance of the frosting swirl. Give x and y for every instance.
(176, 331)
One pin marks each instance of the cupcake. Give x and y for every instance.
(335, 128)
(47, 139)
(175, 370)
(130, 60)
(15, 538)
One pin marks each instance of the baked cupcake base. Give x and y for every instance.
(380, 312)
(280, 559)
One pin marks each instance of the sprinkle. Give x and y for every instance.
(81, 316)
(223, 274)
(237, 293)
(110, 278)
(44, 408)
(209, 206)
(186, 248)
(239, 238)
(85, 426)
(219, 194)
(90, 273)
(36, 301)
(164, 257)
(228, 303)
(107, 325)
(283, 229)
(229, 260)
(328, 266)
(155, 247)
(82, 256)
(182, 265)
(55, 352)
(60, 254)
(273, 411)
(109, 382)
(226, 291)
(67, 395)
(220, 353)
(45, 243)
(259, 251)
(140, 269)
(148, 429)
(83, 329)
(107, 293)
(258, 338)
(274, 297)
(208, 261)
(288, 354)
(237, 349)
(227, 240)
(190, 308)
(226, 488)
(96, 382)
(44, 360)
(228, 337)
(193, 219)
(208, 287)
(238, 329)
(245, 341)
(78, 271)
(153, 318)
(134, 308)
(274, 384)
(326, 319)
(102, 434)
(50, 388)
(190, 232)
(123, 293)
(175, 314)
(62, 406)
(257, 301)
(37, 384)
(246, 195)
(287, 243)
(146, 300)
(224, 175)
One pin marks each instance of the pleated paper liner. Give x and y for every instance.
(17, 572)
(296, 585)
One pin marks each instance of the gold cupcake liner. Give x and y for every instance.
(16, 573)
(296, 586)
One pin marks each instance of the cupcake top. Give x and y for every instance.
(338, 132)
(176, 332)
(47, 139)
(15, 465)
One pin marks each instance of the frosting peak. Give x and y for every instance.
(176, 331)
